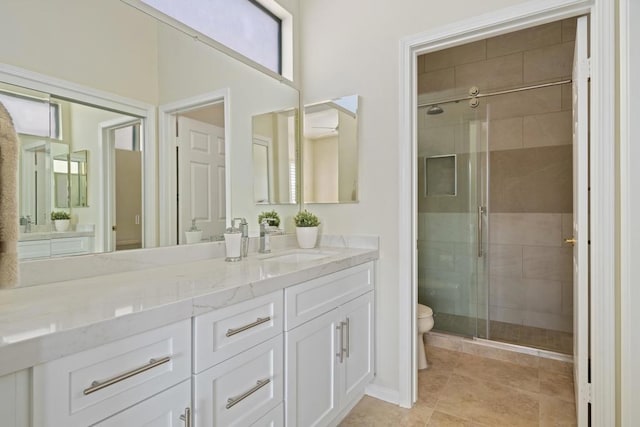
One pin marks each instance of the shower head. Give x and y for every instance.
(435, 109)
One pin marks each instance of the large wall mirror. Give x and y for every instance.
(330, 151)
(100, 166)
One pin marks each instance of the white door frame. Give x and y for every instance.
(106, 180)
(84, 94)
(629, 213)
(602, 167)
(167, 158)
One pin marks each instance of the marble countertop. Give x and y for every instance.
(45, 322)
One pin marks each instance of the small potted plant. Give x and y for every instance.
(60, 220)
(306, 229)
(272, 218)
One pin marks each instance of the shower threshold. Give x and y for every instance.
(509, 333)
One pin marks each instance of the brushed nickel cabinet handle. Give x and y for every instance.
(340, 352)
(233, 401)
(348, 334)
(259, 321)
(186, 417)
(99, 385)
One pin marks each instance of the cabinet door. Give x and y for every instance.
(311, 360)
(357, 345)
(161, 410)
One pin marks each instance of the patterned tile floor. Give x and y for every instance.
(460, 389)
(545, 339)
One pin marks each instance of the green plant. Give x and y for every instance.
(272, 215)
(56, 215)
(306, 219)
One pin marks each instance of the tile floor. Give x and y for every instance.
(461, 389)
(530, 336)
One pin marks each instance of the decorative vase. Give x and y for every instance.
(307, 237)
(61, 224)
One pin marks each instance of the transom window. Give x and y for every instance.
(33, 116)
(242, 25)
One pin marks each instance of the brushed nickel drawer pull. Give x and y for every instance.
(99, 385)
(186, 417)
(233, 401)
(259, 321)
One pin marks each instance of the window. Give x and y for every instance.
(242, 25)
(33, 116)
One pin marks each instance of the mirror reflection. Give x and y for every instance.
(330, 151)
(274, 151)
(70, 179)
(123, 192)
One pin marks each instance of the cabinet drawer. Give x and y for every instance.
(71, 245)
(162, 410)
(89, 386)
(275, 418)
(315, 297)
(239, 391)
(224, 333)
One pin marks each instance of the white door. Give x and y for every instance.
(581, 221)
(311, 391)
(357, 367)
(201, 177)
(162, 410)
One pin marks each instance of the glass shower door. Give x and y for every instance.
(453, 218)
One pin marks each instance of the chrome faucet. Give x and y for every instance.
(265, 243)
(244, 229)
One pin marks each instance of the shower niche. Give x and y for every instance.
(440, 175)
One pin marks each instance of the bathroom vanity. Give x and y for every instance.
(278, 339)
(55, 244)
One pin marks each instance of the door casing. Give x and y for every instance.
(602, 179)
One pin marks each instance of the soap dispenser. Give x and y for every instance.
(233, 243)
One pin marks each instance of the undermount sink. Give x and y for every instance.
(296, 257)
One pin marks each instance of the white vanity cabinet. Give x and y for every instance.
(328, 345)
(238, 364)
(15, 399)
(55, 247)
(90, 386)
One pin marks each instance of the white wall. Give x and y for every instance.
(353, 47)
(115, 53)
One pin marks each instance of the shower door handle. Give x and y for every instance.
(481, 211)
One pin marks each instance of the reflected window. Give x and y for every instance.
(242, 25)
(33, 116)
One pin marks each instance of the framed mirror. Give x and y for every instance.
(70, 179)
(330, 151)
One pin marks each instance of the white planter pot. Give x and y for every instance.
(307, 237)
(61, 224)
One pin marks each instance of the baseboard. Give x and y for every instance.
(383, 393)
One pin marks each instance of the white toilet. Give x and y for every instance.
(425, 323)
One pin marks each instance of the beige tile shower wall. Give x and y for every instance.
(530, 270)
(524, 57)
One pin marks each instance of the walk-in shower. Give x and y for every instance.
(495, 188)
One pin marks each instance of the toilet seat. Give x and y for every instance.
(424, 311)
